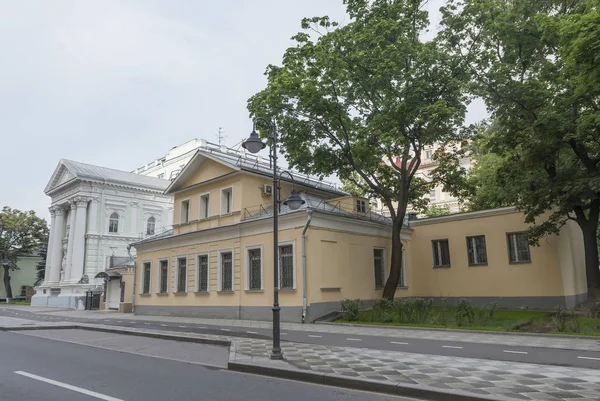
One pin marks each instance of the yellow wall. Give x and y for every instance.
(208, 170)
(541, 277)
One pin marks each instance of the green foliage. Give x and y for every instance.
(40, 267)
(350, 99)
(535, 63)
(575, 324)
(560, 319)
(435, 211)
(21, 233)
(464, 312)
(351, 309)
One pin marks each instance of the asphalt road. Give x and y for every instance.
(547, 356)
(35, 369)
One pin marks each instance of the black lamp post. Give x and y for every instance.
(254, 145)
(5, 264)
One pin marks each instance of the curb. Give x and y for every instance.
(24, 328)
(505, 333)
(335, 380)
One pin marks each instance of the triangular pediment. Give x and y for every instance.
(201, 168)
(60, 176)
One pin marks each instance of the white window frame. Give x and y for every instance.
(181, 211)
(471, 242)
(158, 278)
(197, 286)
(439, 249)
(386, 272)
(230, 190)
(154, 225)
(149, 277)
(361, 204)
(428, 154)
(219, 269)
(510, 243)
(176, 286)
(201, 216)
(247, 268)
(432, 198)
(118, 222)
(279, 245)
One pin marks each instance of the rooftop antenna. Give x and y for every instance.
(220, 135)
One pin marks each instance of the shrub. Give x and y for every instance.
(443, 312)
(575, 323)
(464, 312)
(381, 307)
(560, 319)
(594, 309)
(422, 309)
(351, 308)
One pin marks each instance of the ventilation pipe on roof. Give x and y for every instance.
(304, 281)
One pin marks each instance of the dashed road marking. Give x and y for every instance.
(251, 332)
(514, 352)
(354, 339)
(225, 329)
(313, 336)
(588, 357)
(451, 346)
(68, 387)
(183, 327)
(399, 343)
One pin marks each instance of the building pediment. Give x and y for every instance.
(61, 176)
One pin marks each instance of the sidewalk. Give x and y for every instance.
(527, 340)
(404, 373)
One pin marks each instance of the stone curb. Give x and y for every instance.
(505, 333)
(330, 379)
(24, 328)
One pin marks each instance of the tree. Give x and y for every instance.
(363, 99)
(536, 65)
(40, 267)
(21, 233)
(436, 211)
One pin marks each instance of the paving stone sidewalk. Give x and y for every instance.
(542, 341)
(519, 381)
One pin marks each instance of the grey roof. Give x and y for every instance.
(83, 170)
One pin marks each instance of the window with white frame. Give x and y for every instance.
(402, 281)
(226, 271)
(476, 250)
(202, 274)
(432, 195)
(428, 154)
(379, 267)
(226, 200)
(151, 226)
(163, 277)
(361, 206)
(146, 278)
(205, 206)
(441, 253)
(181, 274)
(254, 272)
(185, 211)
(113, 223)
(286, 267)
(518, 248)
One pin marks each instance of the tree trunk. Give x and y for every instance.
(391, 283)
(592, 270)
(7, 286)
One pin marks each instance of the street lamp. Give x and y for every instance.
(6, 264)
(254, 145)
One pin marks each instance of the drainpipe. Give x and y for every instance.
(134, 279)
(304, 282)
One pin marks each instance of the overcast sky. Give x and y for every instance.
(118, 83)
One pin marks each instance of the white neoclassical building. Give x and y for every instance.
(96, 212)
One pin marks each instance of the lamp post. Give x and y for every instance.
(5, 264)
(254, 145)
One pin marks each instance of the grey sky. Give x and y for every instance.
(118, 83)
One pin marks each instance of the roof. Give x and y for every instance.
(78, 170)
(242, 161)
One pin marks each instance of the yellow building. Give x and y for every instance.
(217, 260)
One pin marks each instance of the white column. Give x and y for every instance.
(133, 229)
(57, 233)
(71, 237)
(79, 240)
(93, 216)
(49, 246)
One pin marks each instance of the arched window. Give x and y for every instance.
(113, 223)
(150, 226)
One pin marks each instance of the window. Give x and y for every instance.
(361, 206)
(146, 278)
(163, 276)
(226, 201)
(113, 223)
(476, 250)
(182, 275)
(254, 269)
(161, 176)
(226, 275)
(204, 206)
(428, 154)
(185, 211)
(441, 253)
(518, 248)
(202, 274)
(286, 267)
(432, 195)
(379, 268)
(23, 290)
(150, 226)
(465, 163)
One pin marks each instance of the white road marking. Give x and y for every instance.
(451, 346)
(514, 352)
(313, 336)
(283, 334)
(251, 332)
(396, 342)
(68, 386)
(147, 323)
(225, 329)
(200, 327)
(354, 339)
(183, 327)
(163, 325)
(589, 357)
(119, 321)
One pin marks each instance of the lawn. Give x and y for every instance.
(18, 302)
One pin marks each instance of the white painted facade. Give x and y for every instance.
(82, 238)
(170, 165)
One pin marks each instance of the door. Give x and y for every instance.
(114, 293)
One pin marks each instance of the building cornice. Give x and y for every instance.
(464, 216)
